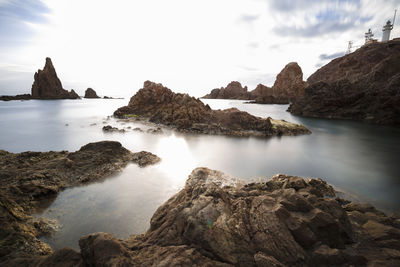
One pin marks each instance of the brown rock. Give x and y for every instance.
(90, 93)
(46, 84)
(363, 85)
(233, 90)
(159, 104)
(144, 158)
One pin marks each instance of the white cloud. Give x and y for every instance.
(190, 46)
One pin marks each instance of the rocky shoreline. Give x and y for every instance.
(158, 104)
(28, 179)
(218, 220)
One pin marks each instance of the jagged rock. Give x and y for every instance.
(233, 90)
(160, 105)
(218, 220)
(90, 93)
(46, 84)
(288, 86)
(28, 178)
(363, 85)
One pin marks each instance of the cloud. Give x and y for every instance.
(253, 45)
(330, 56)
(15, 16)
(249, 18)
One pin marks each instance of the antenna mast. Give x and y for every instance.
(394, 17)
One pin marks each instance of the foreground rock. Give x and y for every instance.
(29, 178)
(217, 220)
(364, 85)
(90, 93)
(158, 104)
(46, 84)
(233, 90)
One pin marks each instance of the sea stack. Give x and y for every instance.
(46, 84)
(90, 93)
(233, 90)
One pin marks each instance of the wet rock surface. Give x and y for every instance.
(28, 179)
(47, 85)
(110, 129)
(158, 104)
(90, 93)
(218, 220)
(363, 85)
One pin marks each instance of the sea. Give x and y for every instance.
(360, 160)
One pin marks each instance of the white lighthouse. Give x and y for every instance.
(387, 28)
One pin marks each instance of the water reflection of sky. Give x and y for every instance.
(359, 158)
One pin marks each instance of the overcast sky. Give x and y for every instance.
(190, 46)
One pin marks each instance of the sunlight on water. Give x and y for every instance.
(359, 158)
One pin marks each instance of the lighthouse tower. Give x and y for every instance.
(387, 28)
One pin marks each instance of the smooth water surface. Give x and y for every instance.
(358, 158)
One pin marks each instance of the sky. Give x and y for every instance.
(190, 46)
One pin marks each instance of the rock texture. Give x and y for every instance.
(363, 85)
(90, 93)
(217, 220)
(233, 90)
(158, 104)
(46, 84)
(30, 178)
(288, 86)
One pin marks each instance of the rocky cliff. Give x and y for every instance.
(363, 85)
(159, 104)
(46, 84)
(233, 90)
(90, 93)
(218, 220)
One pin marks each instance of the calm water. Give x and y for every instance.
(358, 158)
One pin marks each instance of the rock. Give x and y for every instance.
(144, 158)
(233, 90)
(160, 105)
(28, 178)
(17, 97)
(288, 86)
(157, 130)
(90, 93)
(46, 84)
(109, 128)
(218, 220)
(363, 85)
(137, 129)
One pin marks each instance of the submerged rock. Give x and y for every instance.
(363, 85)
(29, 178)
(90, 93)
(218, 220)
(15, 97)
(160, 105)
(46, 84)
(109, 128)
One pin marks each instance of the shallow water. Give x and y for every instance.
(358, 158)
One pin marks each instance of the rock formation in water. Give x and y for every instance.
(90, 93)
(46, 84)
(158, 104)
(29, 178)
(15, 97)
(288, 86)
(363, 85)
(233, 90)
(217, 220)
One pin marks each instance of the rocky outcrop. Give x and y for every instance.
(90, 93)
(233, 90)
(363, 85)
(158, 104)
(288, 86)
(109, 129)
(15, 97)
(46, 84)
(218, 220)
(29, 178)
